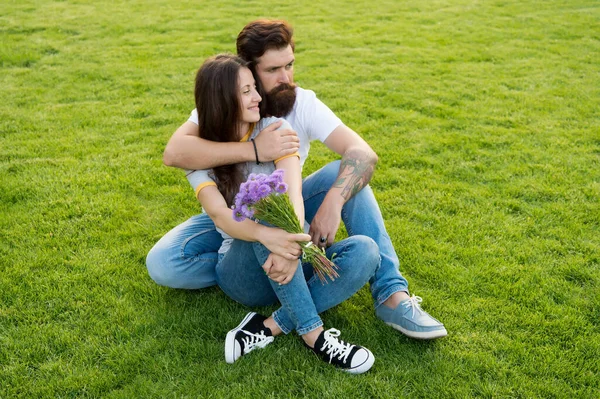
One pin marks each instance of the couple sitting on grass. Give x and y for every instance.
(242, 126)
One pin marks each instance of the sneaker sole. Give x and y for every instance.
(366, 366)
(230, 339)
(419, 335)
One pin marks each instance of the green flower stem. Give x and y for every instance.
(277, 210)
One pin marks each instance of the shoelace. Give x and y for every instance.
(334, 347)
(251, 341)
(413, 302)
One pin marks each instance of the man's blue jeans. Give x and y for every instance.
(187, 255)
(240, 275)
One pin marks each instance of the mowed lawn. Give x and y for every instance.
(486, 119)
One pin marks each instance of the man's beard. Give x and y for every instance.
(279, 101)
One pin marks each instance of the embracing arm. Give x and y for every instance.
(356, 169)
(186, 150)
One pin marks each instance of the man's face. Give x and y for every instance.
(274, 67)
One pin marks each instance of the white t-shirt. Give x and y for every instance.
(310, 118)
(200, 179)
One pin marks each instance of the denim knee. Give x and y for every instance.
(157, 266)
(261, 293)
(369, 253)
(167, 268)
(330, 172)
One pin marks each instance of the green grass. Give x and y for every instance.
(485, 116)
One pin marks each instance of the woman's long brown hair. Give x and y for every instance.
(219, 112)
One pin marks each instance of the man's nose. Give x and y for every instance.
(283, 78)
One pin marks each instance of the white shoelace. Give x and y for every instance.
(334, 347)
(252, 341)
(413, 302)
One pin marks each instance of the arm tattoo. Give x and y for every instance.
(356, 170)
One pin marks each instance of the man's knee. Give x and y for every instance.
(368, 250)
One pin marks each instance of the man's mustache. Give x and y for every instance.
(282, 87)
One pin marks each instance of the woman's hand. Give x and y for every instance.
(279, 269)
(282, 243)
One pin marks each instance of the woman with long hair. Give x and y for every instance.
(259, 265)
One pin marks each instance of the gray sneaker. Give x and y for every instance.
(411, 320)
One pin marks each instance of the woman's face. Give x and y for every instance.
(249, 97)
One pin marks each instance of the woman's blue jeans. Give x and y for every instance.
(240, 275)
(187, 255)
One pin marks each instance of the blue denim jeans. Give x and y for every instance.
(187, 255)
(241, 277)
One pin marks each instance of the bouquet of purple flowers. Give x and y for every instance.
(263, 197)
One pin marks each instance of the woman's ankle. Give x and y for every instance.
(311, 337)
(270, 323)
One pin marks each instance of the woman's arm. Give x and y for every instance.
(186, 150)
(279, 269)
(293, 177)
(276, 240)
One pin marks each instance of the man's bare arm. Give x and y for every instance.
(186, 150)
(358, 161)
(356, 169)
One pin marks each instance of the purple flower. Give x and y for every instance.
(238, 202)
(278, 175)
(238, 216)
(271, 182)
(281, 187)
(264, 190)
(259, 177)
(253, 194)
(247, 211)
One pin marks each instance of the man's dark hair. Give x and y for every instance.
(261, 35)
(253, 42)
(219, 111)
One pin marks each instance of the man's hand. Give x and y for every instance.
(272, 144)
(279, 269)
(326, 221)
(282, 243)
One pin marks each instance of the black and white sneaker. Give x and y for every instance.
(250, 334)
(351, 358)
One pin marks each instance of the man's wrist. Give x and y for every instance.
(255, 151)
(249, 153)
(335, 199)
